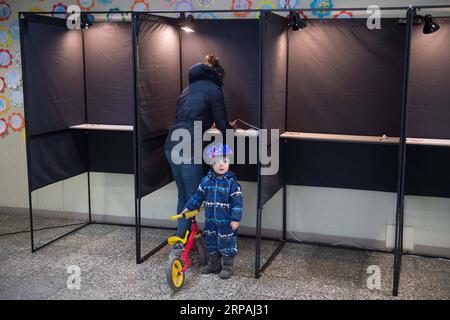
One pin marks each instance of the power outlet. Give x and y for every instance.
(408, 237)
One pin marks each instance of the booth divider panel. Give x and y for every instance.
(109, 74)
(111, 151)
(54, 73)
(429, 93)
(155, 170)
(342, 165)
(159, 85)
(274, 56)
(275, 50)
(427, 171)
(345, 78)
(236, 42)
(57, 156)
(244, 172)
(158, 74)
(271, 184)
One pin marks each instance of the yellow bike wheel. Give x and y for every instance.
(175, 278)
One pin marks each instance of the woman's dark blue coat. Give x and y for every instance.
(202, 100)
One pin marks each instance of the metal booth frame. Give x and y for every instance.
(259, 269)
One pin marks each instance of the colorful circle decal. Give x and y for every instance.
(18, 58)
(185, 5)
(3, 127)
(167, 3)
(6, 58)
(265, 5)
(16, 98)
(2, 85)
(4, 104)
(115, 15)
(205, 3)
(288, 4)
(86, 5)
(344, 15)
(5, 11)
(241, 5)
(13, 79)
(5, 37)
(320, 5)
(206, 15)
(60, 11)
(14, 29)
(140, 5)
(16, 122)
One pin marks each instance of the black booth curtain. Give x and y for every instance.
(54, 99)
(159, 85)
(427, 167)
(342, 79)
(56, 157)
(236, 42)
(54, 75)
(109, 74)
(345, 79)
(429, 112)
(274, 55)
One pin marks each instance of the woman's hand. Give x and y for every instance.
(234, 124)
(234, 225)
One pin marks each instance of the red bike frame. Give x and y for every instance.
(191, 242)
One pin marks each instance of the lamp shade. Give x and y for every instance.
(430, 26)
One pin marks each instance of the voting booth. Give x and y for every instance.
(355, 108)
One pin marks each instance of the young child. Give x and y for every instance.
(222, 197)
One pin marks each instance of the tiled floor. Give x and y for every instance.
(106, 258)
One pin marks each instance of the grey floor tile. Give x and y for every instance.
(282, 288)
(424, 285)
(36, 287)
(298, 249)
(26, 263)
(104, 246)
(340, 254)
(78, 239)
(372, 294)
(17, 242)
(106, 257)
(97, 230)
(291, 267)
(337, 272)
(425, 264)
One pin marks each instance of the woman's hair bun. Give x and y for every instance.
(212, 60)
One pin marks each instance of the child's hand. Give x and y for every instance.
(234, 225)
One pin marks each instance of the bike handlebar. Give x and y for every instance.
(186, 215)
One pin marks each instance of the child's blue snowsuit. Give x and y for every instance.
(222, 198)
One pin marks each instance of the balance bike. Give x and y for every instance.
(179, 260)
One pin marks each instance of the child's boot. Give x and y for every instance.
(213, 265)
(227, 268)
